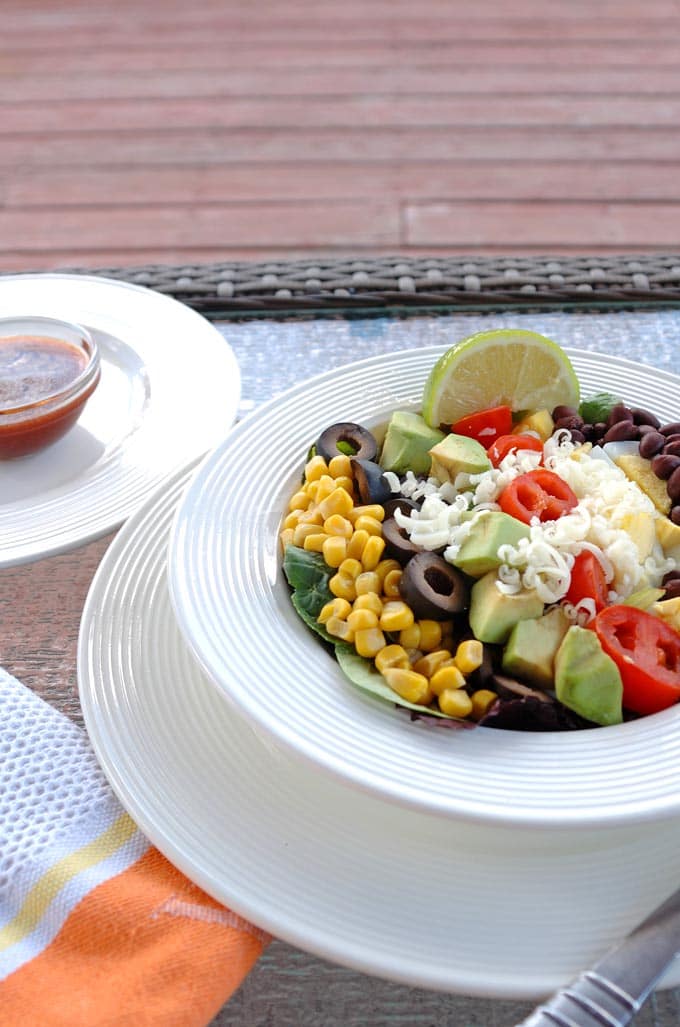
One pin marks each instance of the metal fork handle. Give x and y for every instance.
(590, 1001)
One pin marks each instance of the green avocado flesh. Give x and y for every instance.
(493, 614)
(530, 651)
(490, 530)
(587, 681)
(457, 454)
(407, 444)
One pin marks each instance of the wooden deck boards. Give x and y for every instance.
(148, 132)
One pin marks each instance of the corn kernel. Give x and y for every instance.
(366, 582)
(336, 502)
(369, 641)
(357, 544)
(370, 524)
(391, 584)
(455, 702)
(359, 620)
(346, 483)
(286, 537)
(301, 532)
(410, 637)
(408, 684)
(371, 553)
(310, 516)
(351, 568)
(343, 587)
(314, 543)
(292, 519)
(469, 655)
(392, 656)
(430, 635)
(337, 607)
(339, 628)
(340, 467)
(482, 700)
(368, 601)
(385, 566)
(373, 510)
(396, 616)
(315, 468)
(446, 679)
(334, 550)
(431, 662)
(325, 486)
(336, 524)
(300, 501)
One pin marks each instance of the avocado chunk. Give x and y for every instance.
(458, 454)
(493, 613)
(587, 681)
(531, 648)
(490, 530)
(407, 444)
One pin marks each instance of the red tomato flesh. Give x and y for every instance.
(588, 581)
(540, 493)
(646, 651)
(505, 444)
(485, 426)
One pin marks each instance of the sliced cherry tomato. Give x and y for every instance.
(505, 444)
(486, 425)
(588, 581)
(540, 493)
(647, 652)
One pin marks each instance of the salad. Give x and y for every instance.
(515, 567)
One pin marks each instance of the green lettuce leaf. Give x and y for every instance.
(362, 673)
(308, 575)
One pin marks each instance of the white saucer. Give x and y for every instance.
(367, 883)
(169, 392)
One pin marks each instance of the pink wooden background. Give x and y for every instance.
(172, 132)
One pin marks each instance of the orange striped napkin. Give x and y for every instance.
(96, 926)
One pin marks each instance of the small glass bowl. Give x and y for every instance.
(48, 371)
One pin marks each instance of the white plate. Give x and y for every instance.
(475, 909)
(169, 391)
(233, 607)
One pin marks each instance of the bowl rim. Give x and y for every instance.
(87, 376)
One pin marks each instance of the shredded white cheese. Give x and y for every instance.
(613, 519)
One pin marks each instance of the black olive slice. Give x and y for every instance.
(406, 506)
(370, 481)
(359, 440)
(433, 588)
(510, 688)
(397, 543)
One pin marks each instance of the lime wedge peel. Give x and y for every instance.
(513, 367)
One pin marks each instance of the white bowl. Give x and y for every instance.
(232, 605)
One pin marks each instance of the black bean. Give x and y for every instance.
(675, 514)
(672, 448)
(673, 486)
(673, 590)
(663, 466)
(672, 438)
(564, 411)
(672, 428)
(570, 421)
(651, 443)
(646, 429)
(670, 576)
(641, 416)
(621, 431)
(619, 412)
(577, 437)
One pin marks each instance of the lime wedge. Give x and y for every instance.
(506, 367)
